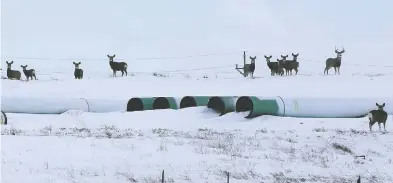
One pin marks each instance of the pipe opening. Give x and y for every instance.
(244, 104)
(135, 104)
(188, 102)
(217, 105)
(161, 103)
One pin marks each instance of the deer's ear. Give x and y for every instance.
(79, 63)
(114, 55)
(377, 104)
(6, 62)
(12, 62)
(383, 105)
(21, 65)
(108, 56)
(73, 62)
(250, 57)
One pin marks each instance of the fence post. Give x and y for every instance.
(227, 177)
(162, 177)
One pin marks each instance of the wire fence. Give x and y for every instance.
(164, 179)
(175, 70)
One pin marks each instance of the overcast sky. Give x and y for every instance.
(134, 29)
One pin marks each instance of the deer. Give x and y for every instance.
(245, 68)
(273, 66)
(285, 64)
(378, 115)
(78, 73)
(117, 66)
(12, 74)
(280, 69)
(28, 73)
(252, 66)
(293, 64)
(334, 62)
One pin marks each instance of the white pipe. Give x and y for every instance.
(42, 105)
(330, 107)
(106, 105)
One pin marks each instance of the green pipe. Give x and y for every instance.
(164, 103)
(256, 106)
(194, 101)
(222, 105)
(140, 104)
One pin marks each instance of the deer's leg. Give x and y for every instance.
(114, 73)
(126, 72)
(338, 70)
(370, 126)
(327, 70)
(384, 126)
(379, 125)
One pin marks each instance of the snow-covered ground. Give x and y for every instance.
(182, 48)
(195, 144)
(191, 145)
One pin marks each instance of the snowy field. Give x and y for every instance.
(195, 144)
(188, 48)
(191, 145)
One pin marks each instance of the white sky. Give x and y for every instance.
(136, 29)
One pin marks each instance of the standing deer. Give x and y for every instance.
(293, 64)
(245, 68)
(285, 64)
(273, 66)
(29, 73)
(378, 115)
(78, 73)
(117, 66)
(280, 69)
(12, 74)
(334, 62)
(252, 66)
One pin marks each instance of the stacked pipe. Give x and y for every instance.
(252, 106)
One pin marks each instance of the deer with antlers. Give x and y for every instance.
(334, 62)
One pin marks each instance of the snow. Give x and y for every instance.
(191, 145)
(194, 144)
